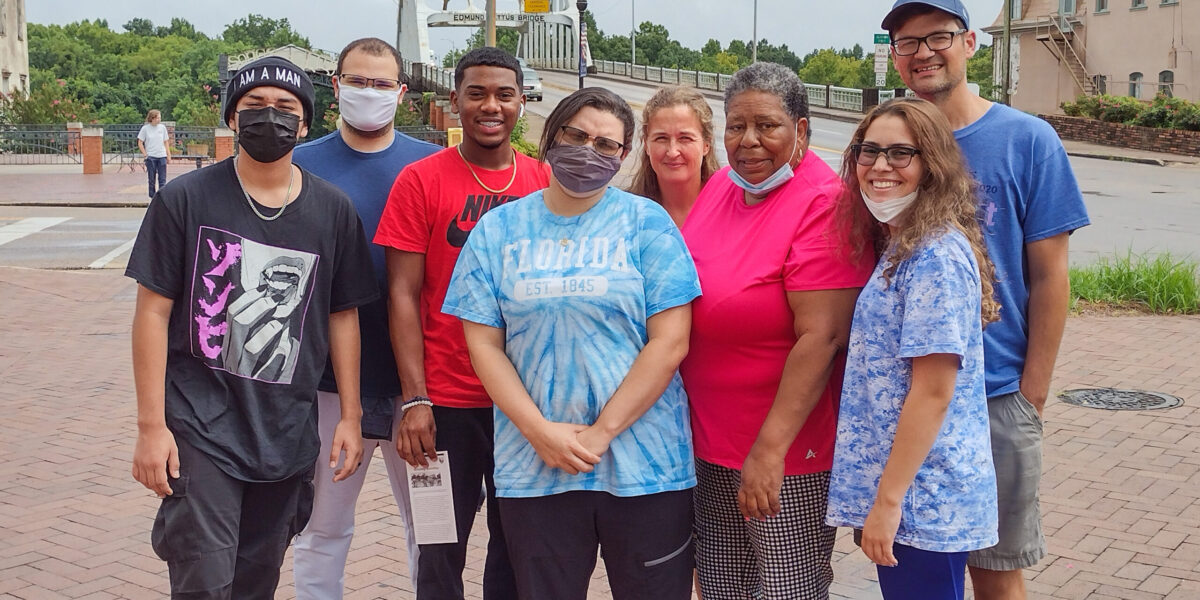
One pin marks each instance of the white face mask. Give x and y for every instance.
(781, 176)
(367, 109)
(887, 210)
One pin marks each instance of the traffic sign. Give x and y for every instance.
(880, 38)
(537, 6)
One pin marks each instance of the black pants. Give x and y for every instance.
(466, 433)
(224, 538)
(156, 167)
(646, 542)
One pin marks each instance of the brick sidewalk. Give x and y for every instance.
(1120, 491)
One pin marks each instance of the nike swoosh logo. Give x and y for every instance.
(455, 236)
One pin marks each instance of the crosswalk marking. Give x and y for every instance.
(103, 261)
(24, 227)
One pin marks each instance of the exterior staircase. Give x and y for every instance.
(1057, 34)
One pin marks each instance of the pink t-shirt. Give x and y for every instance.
(748, 257)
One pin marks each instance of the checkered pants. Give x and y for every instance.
(782, 558)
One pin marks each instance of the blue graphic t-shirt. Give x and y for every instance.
(1027, 192)
(573, 295)
(932, 306)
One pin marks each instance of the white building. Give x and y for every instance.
(14, 47)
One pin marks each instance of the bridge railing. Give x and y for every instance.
(427, 77)
(828, 96)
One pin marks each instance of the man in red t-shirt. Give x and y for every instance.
(432, 207)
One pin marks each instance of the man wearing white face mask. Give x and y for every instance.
(362, 158)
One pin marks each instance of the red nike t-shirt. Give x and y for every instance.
(433, 205)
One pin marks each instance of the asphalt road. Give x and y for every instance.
(1134, 207)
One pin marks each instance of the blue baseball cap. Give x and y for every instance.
(954, 7)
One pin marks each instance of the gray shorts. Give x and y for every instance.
(1017, 454)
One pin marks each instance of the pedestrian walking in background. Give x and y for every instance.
(154, 144)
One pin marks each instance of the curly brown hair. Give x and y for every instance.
(645, 181)
(947, 197)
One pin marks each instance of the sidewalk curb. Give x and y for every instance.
(1132, 159)
(81, 204)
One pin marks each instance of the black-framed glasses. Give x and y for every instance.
(935, 41)
(573, 136)
(897, 156)
(380, 83)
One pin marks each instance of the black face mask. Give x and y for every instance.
(266, 134)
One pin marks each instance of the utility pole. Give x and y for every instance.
(754, 43)
(632, 32)
(1006, 61)
(582, 6)
(490, 24)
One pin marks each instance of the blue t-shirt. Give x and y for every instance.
(1027, 192)
(573, 295)
(932, 306)
(367, 178)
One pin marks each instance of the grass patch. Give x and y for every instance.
(1160, 284)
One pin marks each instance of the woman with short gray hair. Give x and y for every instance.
(768, 337)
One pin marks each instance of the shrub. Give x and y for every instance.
(1162, 112)
(1188, 118)
(1120, 109)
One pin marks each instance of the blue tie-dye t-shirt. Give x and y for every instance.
(573, 295)
(931, 307)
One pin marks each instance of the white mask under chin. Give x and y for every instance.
(888, 210)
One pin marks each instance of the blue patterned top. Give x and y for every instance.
(931, 307)
(573, 295)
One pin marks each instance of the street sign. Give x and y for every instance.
(882, 52)
(537, 6)
(880, 38)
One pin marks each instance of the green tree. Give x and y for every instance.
(257, 31)
(47, 103)
(979, 71)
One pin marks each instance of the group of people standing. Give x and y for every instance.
(701, 377)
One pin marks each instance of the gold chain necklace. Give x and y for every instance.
(480, 182)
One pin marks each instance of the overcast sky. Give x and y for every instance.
(801, 24)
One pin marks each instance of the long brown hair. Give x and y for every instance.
(645, 180)
(947, 197)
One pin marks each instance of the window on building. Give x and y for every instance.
(3, 18)
(4, 87)
(1015, 9)
(1135, 85)
(1066, 7)
(1138, 4)
(20, 20)
(1166, 81)
(1101, 82)
(1101, 5)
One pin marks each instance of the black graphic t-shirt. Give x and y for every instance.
(249, 329)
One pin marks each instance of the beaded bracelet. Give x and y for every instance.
(416, 401)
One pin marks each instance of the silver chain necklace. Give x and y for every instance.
(291, 178)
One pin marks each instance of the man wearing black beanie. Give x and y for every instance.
(251, 273)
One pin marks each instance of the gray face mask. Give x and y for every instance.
(580, 169)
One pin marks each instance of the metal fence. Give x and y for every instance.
(39, 145)
(818, 95)
(425, 133)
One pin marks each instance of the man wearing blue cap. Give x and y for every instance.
(1029, 205)
(250, 273)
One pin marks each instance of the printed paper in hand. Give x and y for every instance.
(429, 491)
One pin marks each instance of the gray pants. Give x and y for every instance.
(224, 538)
(1017, 453)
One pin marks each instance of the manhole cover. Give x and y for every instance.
(1114, 399)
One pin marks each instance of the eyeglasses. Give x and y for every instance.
(380, 83)
(573, 136)
(897, 156)
(934, 41)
